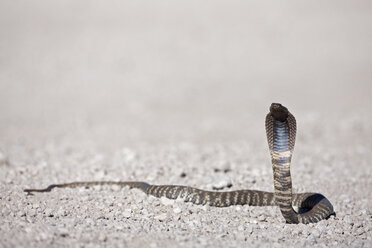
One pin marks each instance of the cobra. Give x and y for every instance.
(281, 135)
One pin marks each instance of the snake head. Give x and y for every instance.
(279, 112)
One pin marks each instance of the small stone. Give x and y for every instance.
(63, 232)
(61, 212)
(249, 229)
(261, 218)
(348, 220)
(358, 224)
(315, 233)
(362, 212)
(165, 201)
(90, 222)
(127, 213)
(221, 183)
(161, 217)
(253, 221)
(42, 236)
(177, 210)
(31, 213)
(359, 231)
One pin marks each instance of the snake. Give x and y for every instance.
(281, 128)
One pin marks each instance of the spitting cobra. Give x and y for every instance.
(281, 136)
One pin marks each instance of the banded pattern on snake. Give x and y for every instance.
(281, 136)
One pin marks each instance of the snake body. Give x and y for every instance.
(281, 136)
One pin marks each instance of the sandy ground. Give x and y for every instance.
(177, 94)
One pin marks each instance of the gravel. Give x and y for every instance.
(122, 217)
(178, 95)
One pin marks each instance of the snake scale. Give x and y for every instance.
(281, 136)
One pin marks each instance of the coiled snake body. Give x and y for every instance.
(281, 135)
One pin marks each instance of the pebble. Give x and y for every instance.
(161, 217)
(42, 236)
(21, 213)
(63, 232)
(221, 183)
(167, 202)
(31, 213)
(127, 213)
(358, 231)
(261, 218)
(177, 210)
(316, 233)
(61, 212)
(362, 212)
(253, 221)
(348, 219)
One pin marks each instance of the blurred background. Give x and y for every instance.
(171, 71)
